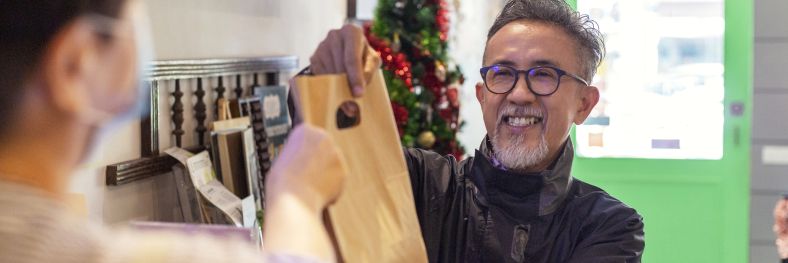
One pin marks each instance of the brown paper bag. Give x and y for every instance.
(374, 219)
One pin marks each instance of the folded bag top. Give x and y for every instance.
(374, 219)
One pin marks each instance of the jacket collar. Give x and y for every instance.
(550, 187)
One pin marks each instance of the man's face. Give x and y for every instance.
(527, 130)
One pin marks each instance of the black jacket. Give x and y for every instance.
(470, 211)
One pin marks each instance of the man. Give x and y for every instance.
(68, 71)
(515, 201)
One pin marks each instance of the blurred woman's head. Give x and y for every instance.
(70, 59)
(68, 69)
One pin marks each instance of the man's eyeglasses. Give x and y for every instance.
(541, 80)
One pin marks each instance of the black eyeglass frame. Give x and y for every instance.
(527, 72)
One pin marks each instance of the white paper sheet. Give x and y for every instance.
(204, 179)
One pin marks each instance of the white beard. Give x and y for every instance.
(514, 156)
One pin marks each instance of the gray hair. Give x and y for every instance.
(580, 27)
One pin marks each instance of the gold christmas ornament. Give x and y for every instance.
(426, 139)
(440, 71)
(396, 45)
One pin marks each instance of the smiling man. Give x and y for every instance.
(516, 200)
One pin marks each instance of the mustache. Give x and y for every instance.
(515, 110)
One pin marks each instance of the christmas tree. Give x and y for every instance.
(411, 38)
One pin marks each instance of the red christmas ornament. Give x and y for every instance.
(446, 114)
(400, 117)
(453, 95)
(431, 83)
(442, 21)
(400, 113)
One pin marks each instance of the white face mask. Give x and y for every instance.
(144, 49)
(105, 120)
(144, 44)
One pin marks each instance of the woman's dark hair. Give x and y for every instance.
(26, 28)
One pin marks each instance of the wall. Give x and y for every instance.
(189, 29)
(770, 129)
(468, 37)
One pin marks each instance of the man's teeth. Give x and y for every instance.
(523, 121)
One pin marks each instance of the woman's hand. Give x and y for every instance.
(306, 177)
(781, 227)
(309, 168)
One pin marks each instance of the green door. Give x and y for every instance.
(693, 192)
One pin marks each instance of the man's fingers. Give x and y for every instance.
(336, 46)
(315, 65)
(353, 54)
(317, 61)
(346, 51)
(323, 61)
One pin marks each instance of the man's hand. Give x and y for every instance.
(781, 227)
(346, 51)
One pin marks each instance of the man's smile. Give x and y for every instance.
(522, 121)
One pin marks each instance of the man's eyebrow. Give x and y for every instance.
(540, 62)
(504, 62)
(544, 62)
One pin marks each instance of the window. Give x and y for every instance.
(661, 82)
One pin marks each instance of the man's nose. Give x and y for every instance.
(520, 94)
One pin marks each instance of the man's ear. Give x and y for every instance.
(588, 97)
(66, 65)
(480, 92)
